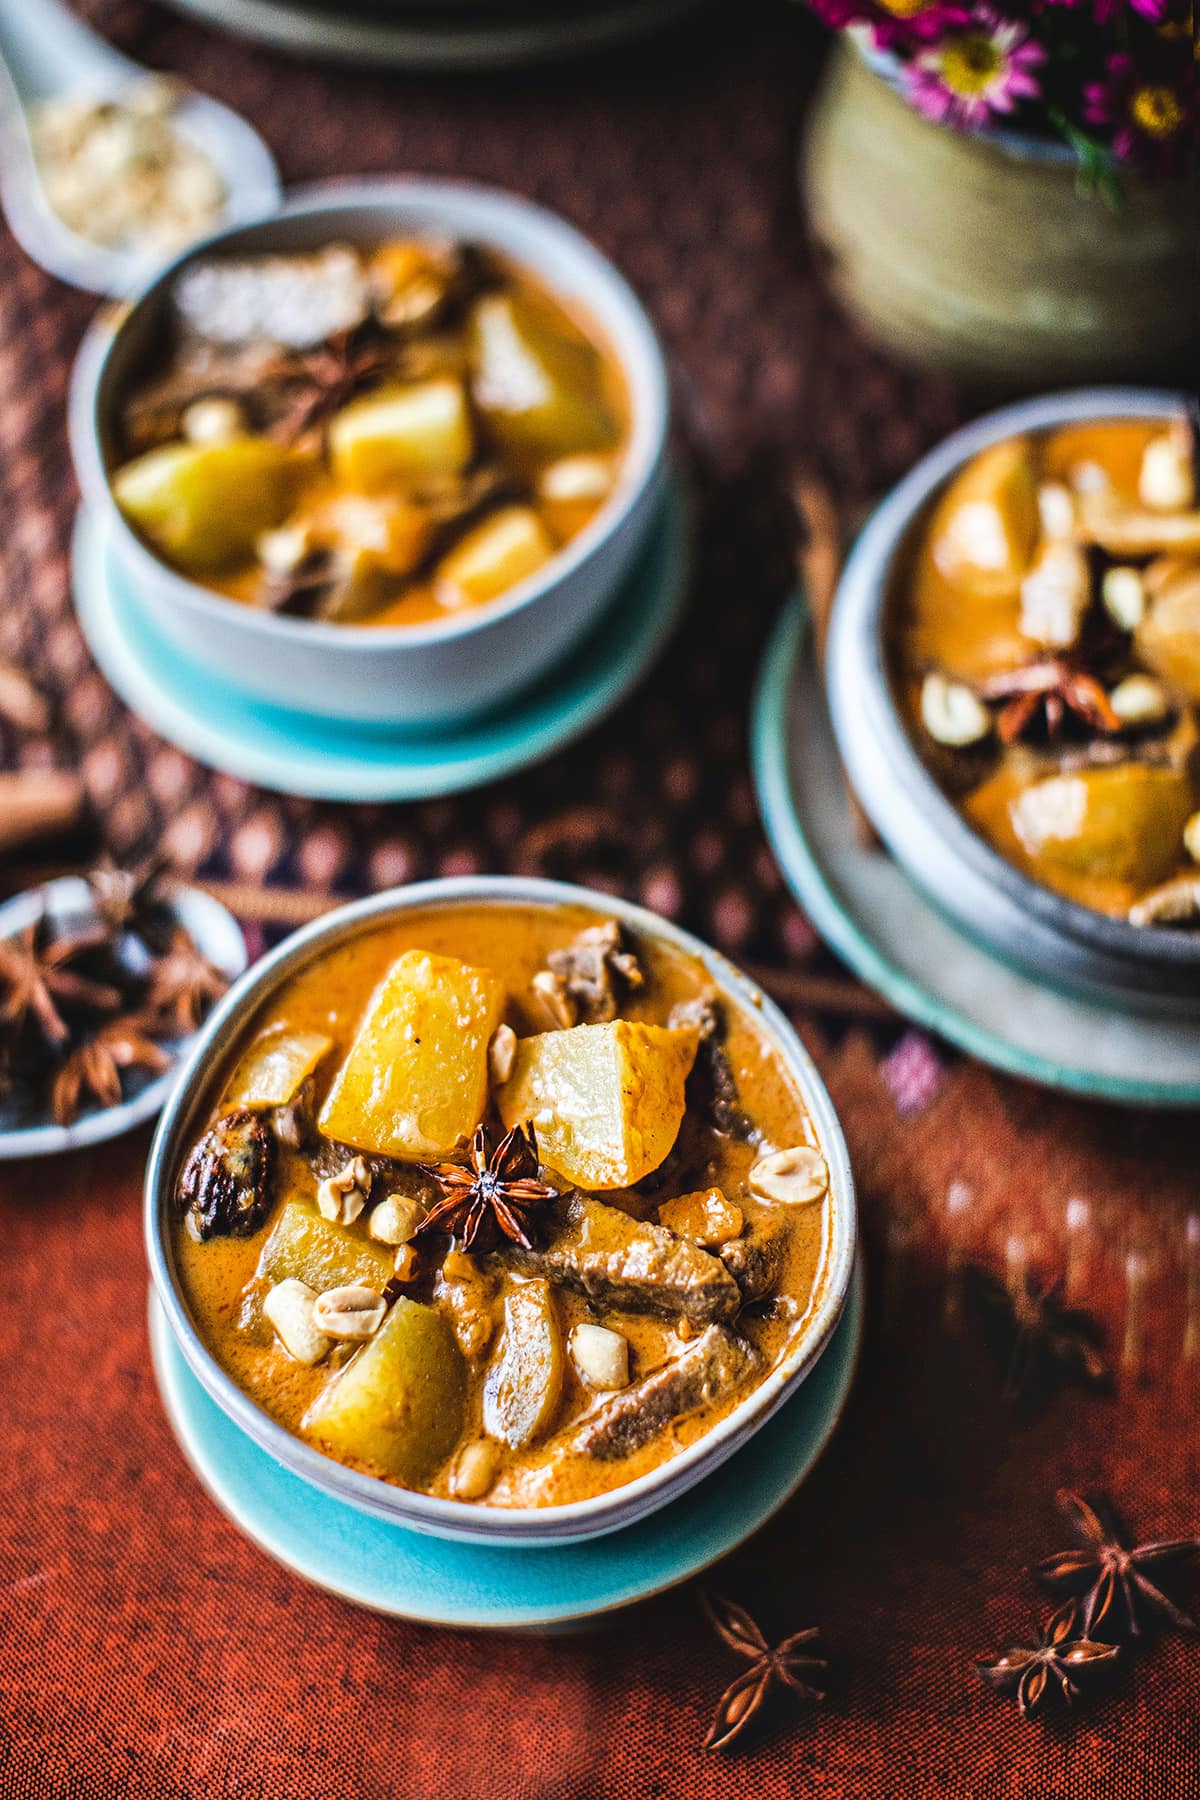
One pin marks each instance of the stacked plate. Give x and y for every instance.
(455, 34)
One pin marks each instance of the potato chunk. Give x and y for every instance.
(606, 1101)
(275, 1067)
(399, 1406)
(523, 1385)
(1123, 824)
(492, 558)
(400, 436)
(539, 385)
(305, 1247)
(1167, 637)
(415, 1083)
(984, 527)
(203, 505)
(705, 1217)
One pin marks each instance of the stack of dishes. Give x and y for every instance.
(457, 34)
(377, 501)
(617, 1363)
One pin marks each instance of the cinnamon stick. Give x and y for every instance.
(831, 994)
(38, 803)
(21, 702)
(820, 554)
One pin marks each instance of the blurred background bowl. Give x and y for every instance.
(394, 675)
(1065, 943)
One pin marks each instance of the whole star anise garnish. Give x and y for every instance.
(1039, 1339)
(494, 1197)
(1119, 1589)
(326, 377)
(1062, 1663)
(1051, 689)
(129, 899)
(785, 1664)
(94, 1067)
(302, 588)
(36, 979)
(183, 984)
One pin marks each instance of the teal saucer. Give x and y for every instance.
(883, 927)
(323, 759)
(409, 1575)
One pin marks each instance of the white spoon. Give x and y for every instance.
(47, 53)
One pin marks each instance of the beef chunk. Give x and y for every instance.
(595, 973)
(225, 1187)
(600, 1251)
(755, 1260)
(706, 1371)
(712, 1088)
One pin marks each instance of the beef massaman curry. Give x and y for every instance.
(1046, 647)
(500, 1204)
(379, 438)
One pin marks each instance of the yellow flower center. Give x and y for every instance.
(970, 64)
(1157, 111)
(905, 9)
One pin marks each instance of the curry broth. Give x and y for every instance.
(389, 540)
(329, 996)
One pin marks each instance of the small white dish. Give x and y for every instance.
(67, 901)
(880, 922)
(387, 34)
(503, 1526)
(447, 669)
(47, 53)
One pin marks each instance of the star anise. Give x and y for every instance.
(1119, 1589)
(300, 589)
(1051, 689)
(129, 899)
(36, 979)
(183, 984)
(494, 1197)
(1039, 1339)
(1062, 1663)
(786, 1664)
(324, 378)
(95, 1066)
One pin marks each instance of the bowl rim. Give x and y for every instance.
(463, 1519)
(862, 601)
(618, 313)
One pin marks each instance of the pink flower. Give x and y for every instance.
(984, 67)
(913, 1072)
(1155, 121)
(1103, 11)
(894, 23)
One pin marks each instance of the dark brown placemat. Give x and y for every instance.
(145, 1649)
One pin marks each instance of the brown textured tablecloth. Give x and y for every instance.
(146, 1650)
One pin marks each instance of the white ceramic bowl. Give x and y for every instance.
(1066, 944)
(393, 675)
(451, 1518)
